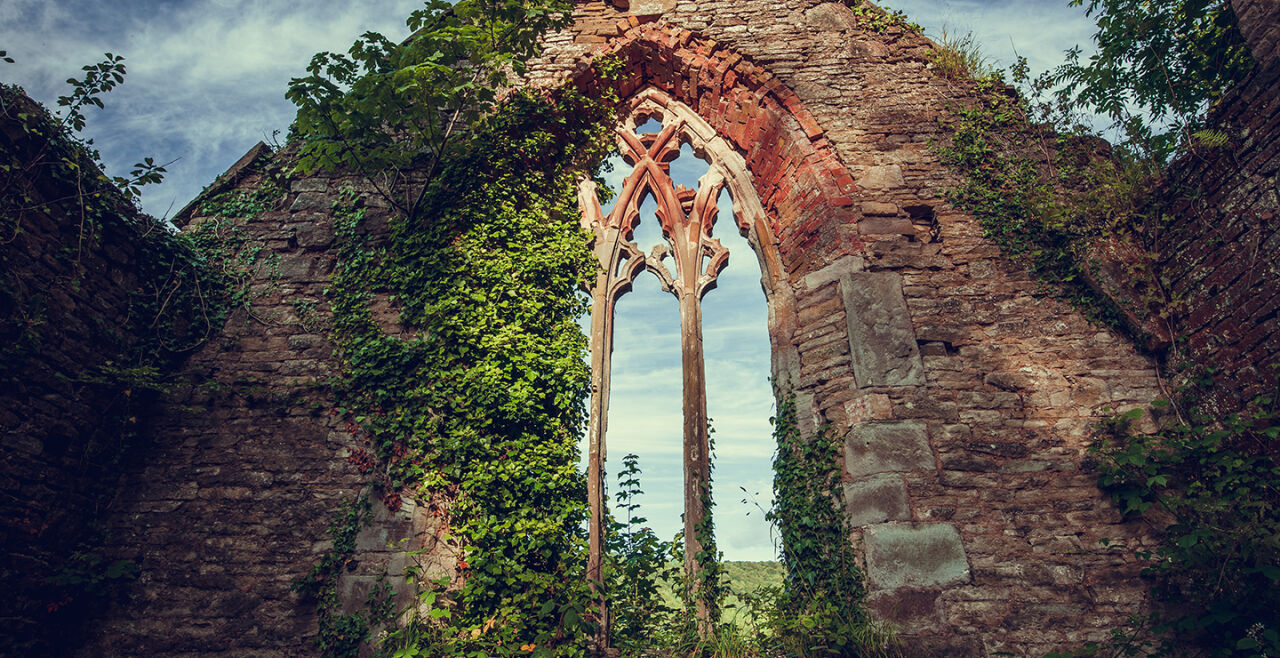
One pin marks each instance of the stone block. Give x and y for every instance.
(876, 499)
(314, 236)
(911, 611)
(650, 7)
(317, 184)
(886, 226)
(831, 16)
(873, 448)
(869, 407)
(312, 201)
(915, 555)
(881, 338)
(879, 208)
(296, 267)
(881, 178)
(834, 272)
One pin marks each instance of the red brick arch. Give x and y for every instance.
(805, 191)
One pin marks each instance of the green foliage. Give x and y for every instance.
(1211, 485)
(1169, 58)
(1043, 196)
(709, 591)
(169, 310)
(385, 110)
(163, 300)
(880, 19)
(98, 79)
(229, 255)
(819, 611)
(480, 402)
(960, 57)
(340, 634)
(246, 204)
(751, 576)
(85, 580)
(172, 306)
(637, 568)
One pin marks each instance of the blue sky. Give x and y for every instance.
(207, 80)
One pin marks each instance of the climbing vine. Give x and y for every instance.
(1208, 483)
(1043, 197)
(880, 19)
(820, 609)
(476, 406)
(76, 255)
(340, 634)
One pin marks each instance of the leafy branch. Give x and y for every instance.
(1160, 64)
(393, 112)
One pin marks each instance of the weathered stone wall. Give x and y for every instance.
(69, 253)
(966, 392)
(1259, 22)
(249, 462)
(1217, 246)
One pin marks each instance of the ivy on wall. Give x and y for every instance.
(84, 271)
(820, 610)
(1210, 484)
(477, 405)
(1044, 205)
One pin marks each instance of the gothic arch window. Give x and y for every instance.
(687, 263)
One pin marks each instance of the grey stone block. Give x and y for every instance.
(882, 177)
(317, 184)
(881, 339)
(834, 272)
(876, 499)
(915, 555)
(311, 201)
(831, 16)
(872, 448)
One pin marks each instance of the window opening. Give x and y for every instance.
(687, 262)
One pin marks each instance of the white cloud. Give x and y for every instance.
(1039, 30)
(206, 78)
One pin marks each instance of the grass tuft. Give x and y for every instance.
(960, 57)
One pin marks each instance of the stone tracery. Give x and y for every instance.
(687, 217)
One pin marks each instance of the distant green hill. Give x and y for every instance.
(743, 577)
(747, 577)
(750, 576)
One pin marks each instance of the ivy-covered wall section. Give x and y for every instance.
(388, 396)
(392, 395)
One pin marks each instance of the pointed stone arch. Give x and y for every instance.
(788, 187)
(802, 192)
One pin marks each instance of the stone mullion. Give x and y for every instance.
(689, 241)
(620, 262)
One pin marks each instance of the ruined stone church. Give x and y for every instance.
(965, 392)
